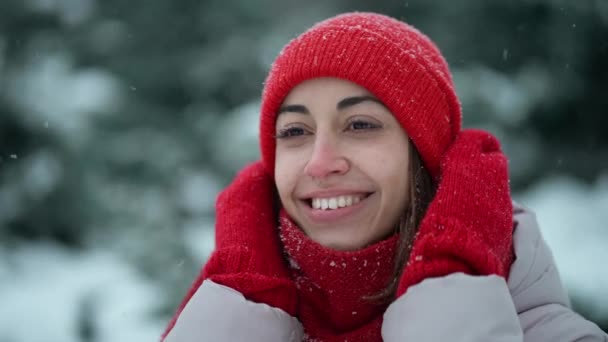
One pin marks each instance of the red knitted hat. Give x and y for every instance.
(391, 59)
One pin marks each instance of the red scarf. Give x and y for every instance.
(332, 285)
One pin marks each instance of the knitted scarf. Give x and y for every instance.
(332, 285)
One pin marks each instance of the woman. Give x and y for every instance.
(372, 216)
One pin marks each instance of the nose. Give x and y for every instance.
(326, 159)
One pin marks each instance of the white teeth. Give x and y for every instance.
(324, 204)
(335, 202)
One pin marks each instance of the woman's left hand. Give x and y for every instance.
(468, 226)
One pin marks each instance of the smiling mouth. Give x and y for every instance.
(337, 202)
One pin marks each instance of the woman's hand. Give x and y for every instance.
(248, 256)
(469, 224)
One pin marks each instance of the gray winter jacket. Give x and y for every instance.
(531, 306)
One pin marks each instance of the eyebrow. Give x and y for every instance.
(343, 104)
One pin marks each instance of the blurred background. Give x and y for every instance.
(121, 120)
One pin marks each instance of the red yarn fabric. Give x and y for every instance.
(468, 226)
(391, 59)
(248, 256)
(332, 285)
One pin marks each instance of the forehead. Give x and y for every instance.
(324, 88)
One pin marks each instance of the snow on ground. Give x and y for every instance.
(48, 294)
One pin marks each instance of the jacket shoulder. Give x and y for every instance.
(541, 302)
(219, 313)
(534, 278)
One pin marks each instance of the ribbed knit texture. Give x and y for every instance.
(332, 286)
(248, 256)
(391, 59)
(468, 226)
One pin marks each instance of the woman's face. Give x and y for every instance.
(341, 163)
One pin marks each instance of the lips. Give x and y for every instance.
(334, 207)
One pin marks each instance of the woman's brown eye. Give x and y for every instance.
(358, 125)
(290, 132)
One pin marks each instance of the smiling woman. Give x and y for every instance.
(337, 171)
(372, 216)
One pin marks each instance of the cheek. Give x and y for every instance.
(390, 171)
(399, 176)
(287, 170)
(398, 173)
(383, 165)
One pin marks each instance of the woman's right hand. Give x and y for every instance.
(248, 256)
(246, 221)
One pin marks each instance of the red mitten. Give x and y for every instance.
(468, 226)
(248, 256)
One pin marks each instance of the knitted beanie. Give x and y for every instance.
(391, 59)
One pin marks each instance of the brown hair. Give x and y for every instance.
(422, 191)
